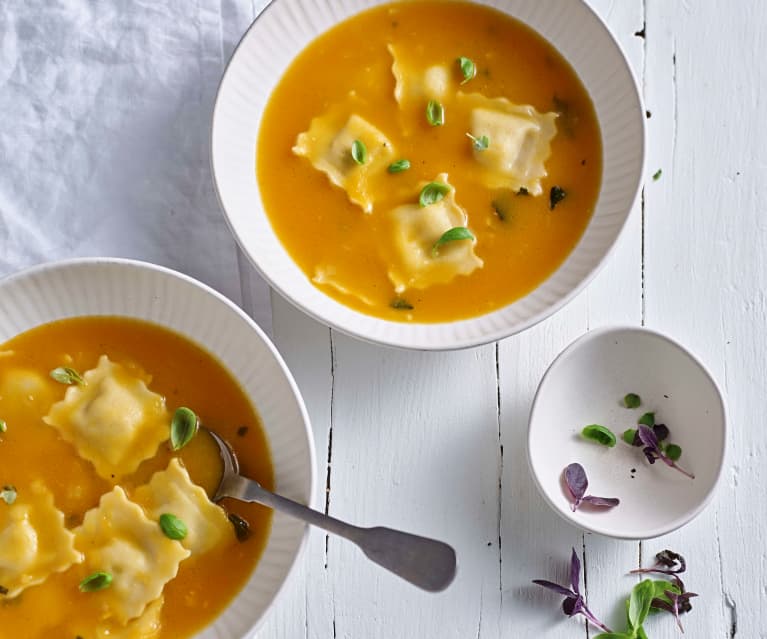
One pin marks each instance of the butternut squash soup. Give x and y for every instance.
(106, 528)
(429, 161)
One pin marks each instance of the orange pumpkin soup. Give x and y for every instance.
(88, 527)
(386, 105)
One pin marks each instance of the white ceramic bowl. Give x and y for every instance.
(585, 385)
(155, 294)
(287, 26)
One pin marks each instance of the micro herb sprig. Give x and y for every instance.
(3, 426)
(599, 434)
(654, 451)
(632, 400)
(183, 427)
(398, 166)
(577, 483)
(646, 596)
(66, 375)
(467, 67)
(451, 235)
(432, 193)
(573, 603)
(8, 494)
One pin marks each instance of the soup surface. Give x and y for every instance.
(474, 101)
(38, 461)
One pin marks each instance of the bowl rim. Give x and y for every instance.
(455, 343)
(688, 515)
(140, 265)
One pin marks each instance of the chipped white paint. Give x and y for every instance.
(433, 442)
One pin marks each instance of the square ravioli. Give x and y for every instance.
(119, 539)
(414, 85)
(172, 492)
(34, 542)
(416, 232)
(113, 419)
(328, 146)
(519, 142)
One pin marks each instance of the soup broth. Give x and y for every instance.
(520, 237)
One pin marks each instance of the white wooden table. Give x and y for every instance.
(434, 443)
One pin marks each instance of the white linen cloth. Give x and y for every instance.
(105, 109)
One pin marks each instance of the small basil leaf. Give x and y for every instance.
(600, 434)
(8, 494)
(673, 452)
(632, 400)
(173, 527)
(3, 426)
(241, 527)
(95, 582)
(435, 113)
(398, 166)
(65, 375)
(481, 143)
(452, 235)
(639, 603)
(468, 68)
(556, 195)
(433, 192)
(359, 152)
(657, 174)
(401, 304)
(630, 436)
(648, 419)
(183, 427)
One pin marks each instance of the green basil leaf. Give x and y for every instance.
(432, 193)
(398, 166)
(359, 152)
(95, 582)
(629, 435)
(173, 527)
(65, 375)
(435, 113)
(648, 419)
(3, 426)
(452, 235)
(600, 434)
(639, 603)
(481, 143)
(468, 68)
(632, 400)
(657, 174)
(183, 427)
(8, 494)
(673, 452)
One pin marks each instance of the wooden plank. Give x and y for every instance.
(705, 274)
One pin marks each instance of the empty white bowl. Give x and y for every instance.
(287, 26)
(586, 385)
(155, 294)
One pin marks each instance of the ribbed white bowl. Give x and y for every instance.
(155, 294)
(287, 26)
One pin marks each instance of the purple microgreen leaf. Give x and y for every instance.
(661, 431)
(672, 560)
(602, 502)
(573, 603)
(555, 587)
(649, 453)
(577, 483)
(647, 436)
(575, 572)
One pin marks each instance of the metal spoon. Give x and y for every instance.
(426, 563)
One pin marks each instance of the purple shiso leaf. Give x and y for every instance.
(577, 483)
(604, 502)
(647, 436)
(572, 606)
(652, 448)
(555, 587)
(575, 572)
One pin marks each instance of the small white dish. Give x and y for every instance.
(586, 385)
(286, 27)
(117, 287)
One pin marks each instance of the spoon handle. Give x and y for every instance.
(426, 563)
